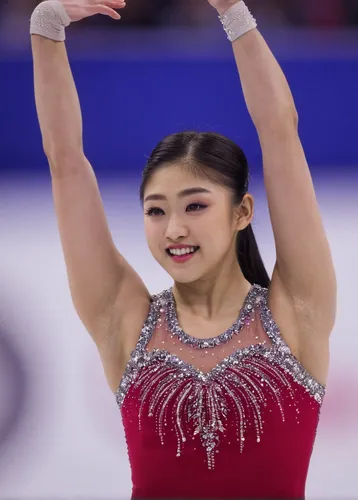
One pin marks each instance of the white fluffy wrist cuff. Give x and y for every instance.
(237, 21)
(49, 20)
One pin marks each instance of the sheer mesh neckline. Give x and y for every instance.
(242, 319)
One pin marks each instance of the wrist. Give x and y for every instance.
(49, 19)
(237, 21)
(225, 6)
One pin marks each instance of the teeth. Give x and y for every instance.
(181, 251)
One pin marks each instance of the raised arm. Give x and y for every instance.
(102, 283)
(304, 271)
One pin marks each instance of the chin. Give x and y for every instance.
(184, 276)
(184, 280)
(182, 273)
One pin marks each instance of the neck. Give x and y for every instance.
(213, 296)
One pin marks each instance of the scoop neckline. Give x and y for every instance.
(235, 328)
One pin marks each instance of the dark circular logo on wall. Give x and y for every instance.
(14, 393)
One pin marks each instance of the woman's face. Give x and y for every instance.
(190, 223)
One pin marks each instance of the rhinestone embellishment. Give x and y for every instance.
(237, 21)
(179, 396)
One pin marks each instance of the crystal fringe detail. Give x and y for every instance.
(173, 391)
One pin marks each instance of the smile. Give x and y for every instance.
(182, 254)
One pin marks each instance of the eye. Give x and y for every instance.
(195, 207)
(154, 212)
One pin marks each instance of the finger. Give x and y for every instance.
(104, 10)
(107, 11)
(114, 4)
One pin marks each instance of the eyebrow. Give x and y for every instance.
(181, 194)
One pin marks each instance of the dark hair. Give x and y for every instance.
(221, 161)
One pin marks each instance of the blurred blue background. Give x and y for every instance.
(165, 67)
(173, 70)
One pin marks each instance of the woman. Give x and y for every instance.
(220, 390)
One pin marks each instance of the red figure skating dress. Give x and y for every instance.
(234, 416)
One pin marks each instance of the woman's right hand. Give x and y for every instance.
(80, 9)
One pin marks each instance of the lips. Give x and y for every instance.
(180, 259)
(180, 248)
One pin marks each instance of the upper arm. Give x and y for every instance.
(304, 262)
(97, 273)
(106, 291)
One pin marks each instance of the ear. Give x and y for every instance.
(244, 213)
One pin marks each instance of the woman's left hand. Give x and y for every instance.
(222, 6)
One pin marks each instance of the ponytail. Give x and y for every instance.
(249, 258)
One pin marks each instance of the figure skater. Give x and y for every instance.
(219, 379)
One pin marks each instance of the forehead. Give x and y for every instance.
(169, 181)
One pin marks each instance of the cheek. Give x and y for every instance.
(218, 224)
(219, 236)
(152, 234)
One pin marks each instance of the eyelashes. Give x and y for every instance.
(150, 212)
(157, 212)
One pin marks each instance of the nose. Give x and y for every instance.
(176, 229)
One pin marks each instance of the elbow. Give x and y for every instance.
(65, 163)
(61, 153)
(294, 118)
(62, 142)
(281, 121)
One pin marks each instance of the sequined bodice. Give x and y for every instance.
(201, 403)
